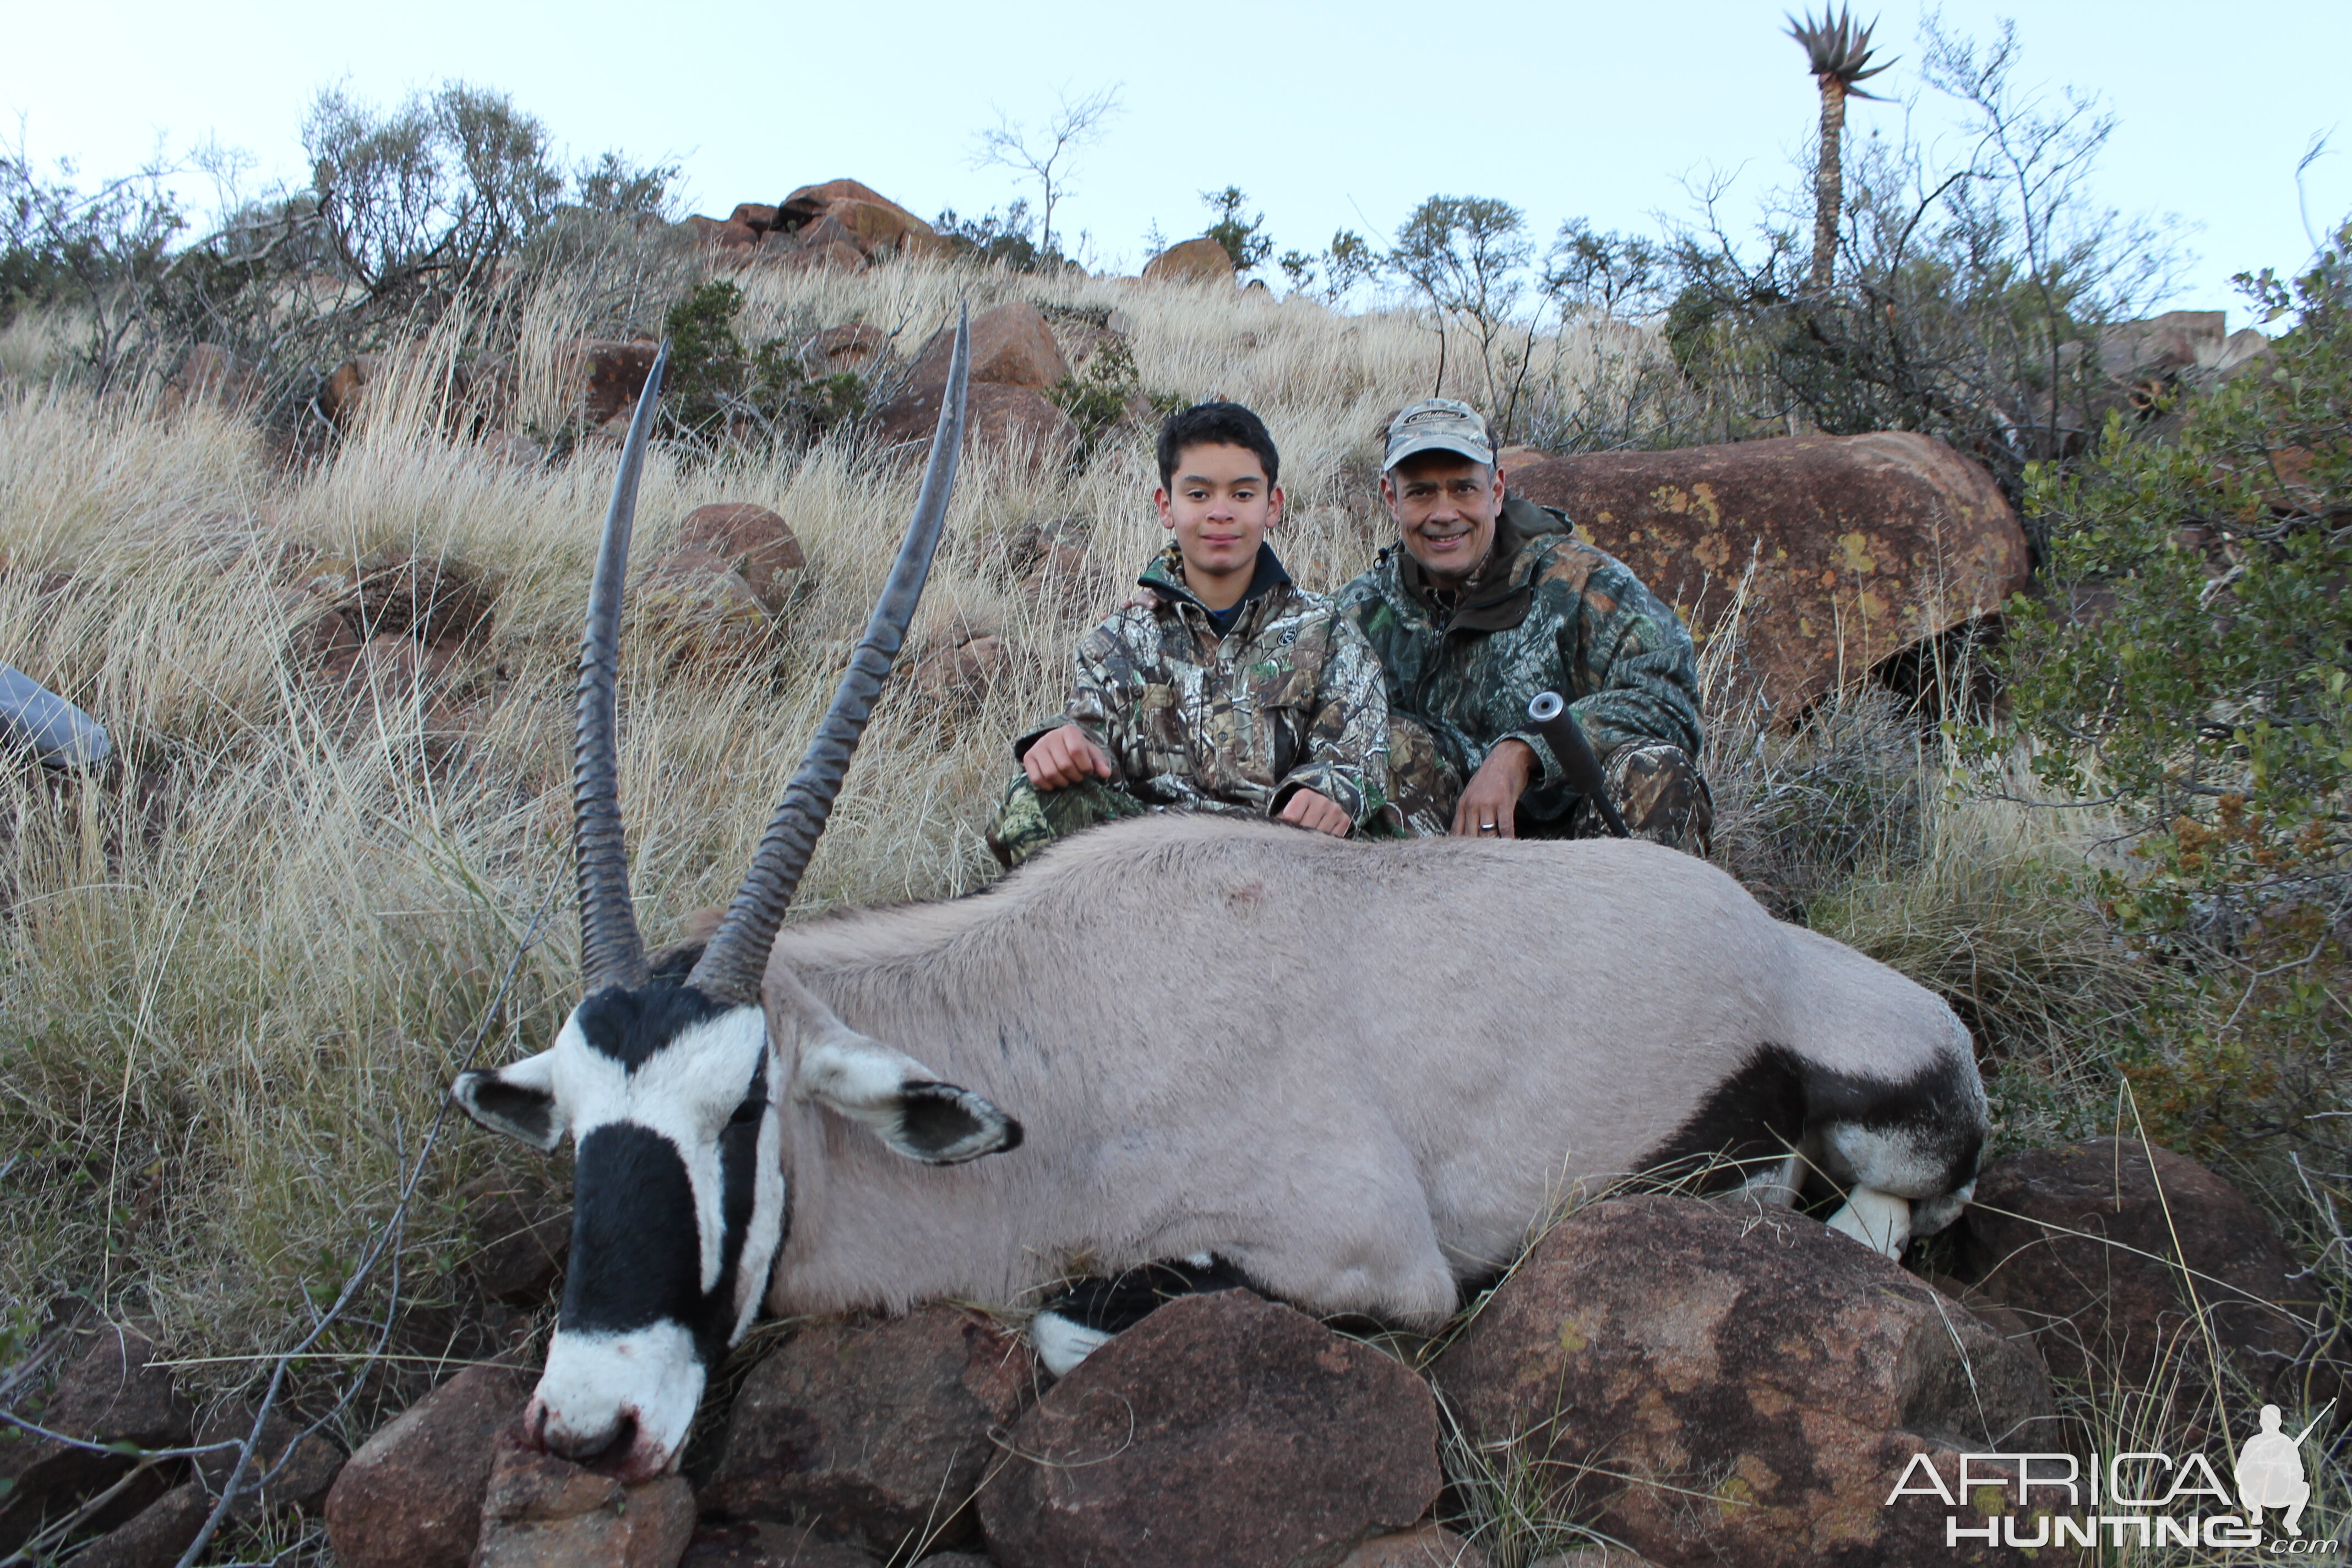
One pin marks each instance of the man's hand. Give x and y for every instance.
(1491, 799)
(1319, 812)
(1062, 756)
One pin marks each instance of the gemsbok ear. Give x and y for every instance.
(518, 1100)
(912, 1111)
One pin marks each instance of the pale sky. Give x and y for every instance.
(1329, 116)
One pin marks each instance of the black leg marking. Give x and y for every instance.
(1114, 1305)
(1747, 1127)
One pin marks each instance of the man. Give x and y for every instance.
(1228, 689)
(1486, 600)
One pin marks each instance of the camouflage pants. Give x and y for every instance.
(1030, 819)
(1656, 788)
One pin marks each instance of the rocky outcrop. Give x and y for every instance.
(1014, 359)
(2132, 1264)
(1201, 261)
(1706, 1382)
(1860, 546)
(1011, 346)
(1222, 1428)
(412, 1496)
(874, 1433)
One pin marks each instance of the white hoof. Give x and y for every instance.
(1062, 1344)
(1878, 1220)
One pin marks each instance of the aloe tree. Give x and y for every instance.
(1836, 53)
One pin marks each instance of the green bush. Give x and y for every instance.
(2188, 660)
(718, 388)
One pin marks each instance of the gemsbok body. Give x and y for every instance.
(1354, 1075)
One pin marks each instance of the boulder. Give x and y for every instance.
(721, 234)
(702, 608)
(853, 347)
(299, 1470)
(995, 418)
(1011, 346)
(521, 1234)
(838, 257)
(540, 1512)
(1201, 261)
(965, 665)
(754, 541)
(1708, 1383)
(113, 1393)
(316, 631)
(344, 393)
(826, 230)
(1222, 1428)
(2088, 1244)
(1862, 545)
(874, 1432)
(757, 216)
(880, 226)
(211, 374)
(2162, 345)
(615, 374)
(157, 1537)
(412, 1496)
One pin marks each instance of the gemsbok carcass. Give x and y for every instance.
(1354, 1076)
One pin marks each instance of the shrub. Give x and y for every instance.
(719, 389)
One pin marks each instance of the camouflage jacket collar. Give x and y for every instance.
(1500, 592)
(1165, 577)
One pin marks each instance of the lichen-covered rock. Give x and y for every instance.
(1223, 1428)
(1711, 1384)
(2087, 1244)
(874, 1432)
(412, 1496)
(1862, 545)
(540, 1512)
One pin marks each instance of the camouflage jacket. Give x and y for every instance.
(1547, 613)
(1289, 699)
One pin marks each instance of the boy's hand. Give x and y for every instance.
(1142, 599)
(1062, 756)
(1319, 812)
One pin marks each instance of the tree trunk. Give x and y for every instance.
(1829, 183)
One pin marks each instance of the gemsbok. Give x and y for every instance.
(1353, 1075)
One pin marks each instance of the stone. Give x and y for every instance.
(753, 541)
(962, 668)
(293, 1471)
(701, 607)
(874, 1432)
(881, 226)
(854, 347)
(157, 1537)
(1757, 1383)
(2162, 346)
(441, 603)
(1863, 546)
(838, 257)
(757, 216)
(826, 230)
(721, 234)
(211, 374)
(1201, 261)
(995, 418)
(343, 395)
(316, 631)
(1428, 1546)
(955, 1560)
(521, 1234)
(412, 1496)
(615, 374)
(2086, 1244)
(757, 1543)
(1011, 346)
(1222, 1428)
(1593, 1557)
(1510, 459)
(113, 1393)
(540, 1512)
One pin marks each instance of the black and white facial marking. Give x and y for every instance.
(678, 1209)
(1905, 1151)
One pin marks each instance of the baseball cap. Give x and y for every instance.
(1438, 424)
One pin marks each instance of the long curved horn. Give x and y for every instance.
(731, 967)
(611, 950)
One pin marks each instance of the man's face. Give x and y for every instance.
(1445, 507)
(1219, 505)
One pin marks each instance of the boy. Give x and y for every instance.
(1237, 691)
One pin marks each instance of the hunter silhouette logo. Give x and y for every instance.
(2270, 1472)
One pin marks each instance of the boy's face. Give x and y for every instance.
(1220, 507)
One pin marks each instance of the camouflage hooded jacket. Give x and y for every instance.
(1289, 699)
(1547, 613)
